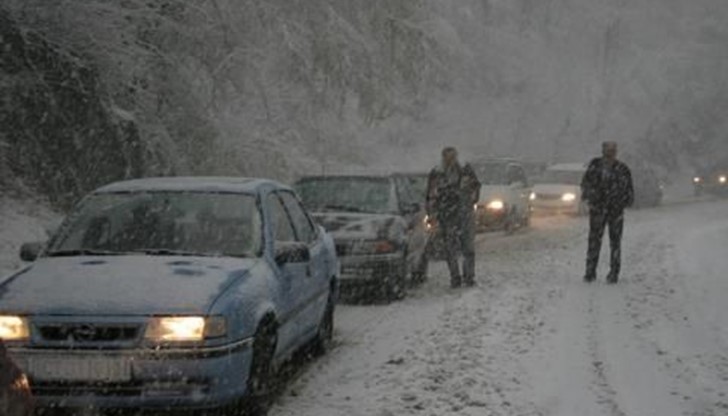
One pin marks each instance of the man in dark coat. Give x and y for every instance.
(452, 191)
(607, 187)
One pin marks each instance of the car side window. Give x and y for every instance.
(280, 222)
(516, 175)
(302, 223)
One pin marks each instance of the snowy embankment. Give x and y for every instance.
(21, 221)
(533, 339)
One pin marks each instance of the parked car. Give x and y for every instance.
(15, 396)
(377, 223)
(504, 196)
(558, 191)
(171, 293)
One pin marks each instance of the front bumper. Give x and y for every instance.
(555, 206)
(181, 378)
(489, 219)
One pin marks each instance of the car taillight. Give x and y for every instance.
(384, 247)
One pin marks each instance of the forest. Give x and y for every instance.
(98, 90)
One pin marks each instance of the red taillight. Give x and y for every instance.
(384, 246)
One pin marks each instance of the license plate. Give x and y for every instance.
(79, 369)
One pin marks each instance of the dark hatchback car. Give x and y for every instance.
(377, 225)
(15, 396)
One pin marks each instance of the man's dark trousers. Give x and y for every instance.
(599, 219)
(459, 238)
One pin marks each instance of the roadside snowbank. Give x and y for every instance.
(21, 221)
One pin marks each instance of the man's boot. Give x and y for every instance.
(456, 282)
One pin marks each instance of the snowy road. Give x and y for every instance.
(533, 339)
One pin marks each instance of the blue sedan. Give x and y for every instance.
(171, 292)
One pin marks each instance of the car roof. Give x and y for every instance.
(192, 184)
(496, 160)
(577, 167)
(345, 176)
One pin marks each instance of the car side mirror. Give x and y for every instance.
(30, 251)
(287, 253)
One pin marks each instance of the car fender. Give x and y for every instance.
(247, 301)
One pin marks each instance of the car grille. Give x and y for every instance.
(88, 333)
(41, 389)
(548, 197)
(343, 249)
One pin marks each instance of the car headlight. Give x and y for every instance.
(14, 328)
(723, 179)
(21, 384)
(697, 179)
(185, 328)
(533, 196)
(496, 205)
(568, 197)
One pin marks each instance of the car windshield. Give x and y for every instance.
(415, 186)
(163, 223)
(563, 177)
(365, 194)
(491, 173)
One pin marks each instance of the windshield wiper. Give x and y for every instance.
(170, 252)
(343, 208)
(84, 252)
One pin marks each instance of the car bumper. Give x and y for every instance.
(369, 270)
(486, 219)
(555, 207)
(182, 378)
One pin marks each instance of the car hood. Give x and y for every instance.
(358, 226)
(491, 192)
(123, 285)
(556, 189)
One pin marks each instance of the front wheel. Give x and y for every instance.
(262, 374)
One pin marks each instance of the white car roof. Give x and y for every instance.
(190, 184)
(576, 167)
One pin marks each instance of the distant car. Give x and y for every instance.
(504, 196)
(558, 191)
(377, 223)
(713, 181)
(648, 190)
(171, 293)
(15, 396)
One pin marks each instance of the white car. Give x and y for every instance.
(558, 191)
(504, 195)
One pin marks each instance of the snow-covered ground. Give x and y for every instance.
(533, 339)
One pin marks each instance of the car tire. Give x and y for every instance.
(510, 223)
(262, 372)
(396, 285)
(325, 336)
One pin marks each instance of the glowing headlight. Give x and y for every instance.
(21, 384)
(723, 179)
(496, 205)
(568, 197)
(14, 328)
(185, 328)
(532, 197)
(697, 179)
